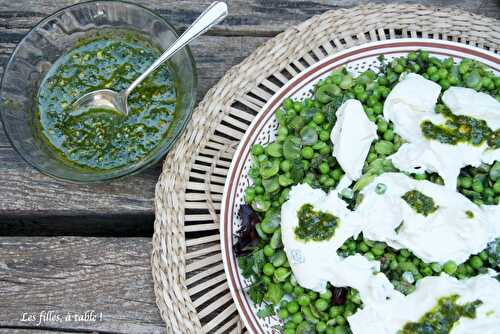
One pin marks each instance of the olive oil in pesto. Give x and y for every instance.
(442, 317)
(104, 139)
(460, 129)
(419, 202)
(315, 225)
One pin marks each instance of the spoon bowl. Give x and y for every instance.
(101, 99)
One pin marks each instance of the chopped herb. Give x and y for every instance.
(421, 203)
(442, 317)
(266, 311)
(469, 214)
(315, 225)
(461, 129)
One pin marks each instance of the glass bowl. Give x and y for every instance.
(53, 37)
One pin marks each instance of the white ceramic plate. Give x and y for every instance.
(263, 129)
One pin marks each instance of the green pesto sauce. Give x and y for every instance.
(419, 202)
(104, 139)
(461, 129)
(315, 225)
(442, 317)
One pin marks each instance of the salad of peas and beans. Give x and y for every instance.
(302, 153)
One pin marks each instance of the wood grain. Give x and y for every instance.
(66, 274)
(26, 195)
(246, 17)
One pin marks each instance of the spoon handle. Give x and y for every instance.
(215, 13)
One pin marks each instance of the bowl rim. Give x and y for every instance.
(139, 166)
(228, 203)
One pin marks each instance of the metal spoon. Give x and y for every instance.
(109, 99)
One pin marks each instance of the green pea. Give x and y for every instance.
(319, 118)
(292, 307)
(382, 125)
(445, 83)
(297, 106)
(249, 194)
(389, 135)
(268, 250)
(476, 262)
(450, 267)
(321, 304)
(297, 318)
(431, 70)
(378, 250)
(378, 108)
(304, 300)
(288, 287)
(289, 331)
(297, 291)
(427, 271)
(443, 73)
(384, 147)
(335, 311)
(313, 295)
(324, 168)
(283, 314)
(337, 174)
(321, 327)
(307, 152)
(371, 101)
(268, 269)
(288, 103)
(324, 135)
(405, 253)
(327, 295)
(371, 157)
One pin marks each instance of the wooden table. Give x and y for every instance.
(85, 250)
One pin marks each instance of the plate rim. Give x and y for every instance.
(493, 61)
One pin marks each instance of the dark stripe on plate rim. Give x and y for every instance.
(263, 115)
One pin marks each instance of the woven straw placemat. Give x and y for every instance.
(190, 283)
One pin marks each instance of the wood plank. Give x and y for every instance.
(246, 17)
(25, 193)
(76, 275)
